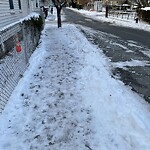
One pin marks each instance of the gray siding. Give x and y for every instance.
(13, 65)
(8, 16)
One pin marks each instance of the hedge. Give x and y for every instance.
(145, 15)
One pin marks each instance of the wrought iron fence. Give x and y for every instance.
(122, 14)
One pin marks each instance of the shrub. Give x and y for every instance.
(38, 22)
(145, 15)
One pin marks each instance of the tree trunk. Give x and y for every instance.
(59, 16)
(106, 13)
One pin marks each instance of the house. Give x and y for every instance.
(20, 30)
(13, 10)
(45, 3)
(98, 5)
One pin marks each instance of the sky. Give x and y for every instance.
(68, 100)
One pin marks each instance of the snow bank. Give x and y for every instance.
(146, 8)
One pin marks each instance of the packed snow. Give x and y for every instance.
(130, 63)
(68, 100)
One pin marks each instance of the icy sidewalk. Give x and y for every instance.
(46, 110)
(67, 100)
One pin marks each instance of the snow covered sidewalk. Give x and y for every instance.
(67, 100)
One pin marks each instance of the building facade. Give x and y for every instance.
(19, 36)
(13, 10)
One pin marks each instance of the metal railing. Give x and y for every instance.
(122, 14)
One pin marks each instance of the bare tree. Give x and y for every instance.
(59, 4)
(142, 3)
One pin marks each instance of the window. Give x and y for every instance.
(11, 4)
(37, 4)
(19, 3)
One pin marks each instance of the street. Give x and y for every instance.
(126, 48)
(68, 98)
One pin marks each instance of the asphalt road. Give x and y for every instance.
(127, 49)
(124, 33)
